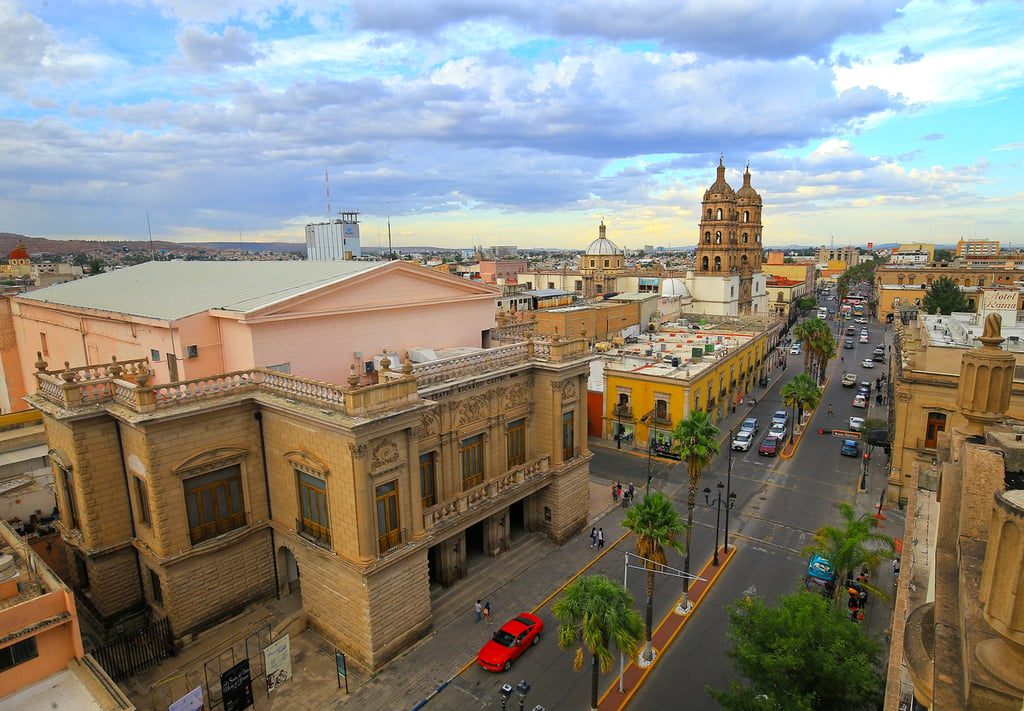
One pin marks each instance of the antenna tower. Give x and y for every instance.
(327, 185)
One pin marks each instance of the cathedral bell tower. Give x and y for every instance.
(730, 233)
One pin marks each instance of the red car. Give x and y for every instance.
(769, 446)
(510, 641)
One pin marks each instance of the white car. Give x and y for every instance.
(856, 423)
(778, 429)
(743, 440)
(860, 401)
(860, 319)
(867, 363)
(795, 350)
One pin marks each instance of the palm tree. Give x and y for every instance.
(596, 612)
(819, 345)
(802, 393)
(657, 527)
(695, 440)
(857, 544)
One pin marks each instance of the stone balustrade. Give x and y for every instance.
(488, 493)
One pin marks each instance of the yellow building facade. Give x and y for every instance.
(643, 404)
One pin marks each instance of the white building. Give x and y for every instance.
(335, 240)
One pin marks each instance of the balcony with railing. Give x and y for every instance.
(391, 540)
(314, 533)
(495, 493)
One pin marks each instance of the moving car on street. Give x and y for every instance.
(856, 423)
(860, 400)
(850, 379)
(868, 363)
(850, 448)
(510, 641)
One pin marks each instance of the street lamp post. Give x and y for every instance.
(650, 462)
(728, 495)
(730, 499)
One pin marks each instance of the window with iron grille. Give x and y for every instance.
(18, 653)
(214, 503)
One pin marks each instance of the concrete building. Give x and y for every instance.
(962, 275)
(783, 295)
(957, 639)
(977, 248)
(192, 499)
(849, 255)
(334, 240)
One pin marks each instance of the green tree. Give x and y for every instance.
(944, 255)
(81, 259)
(801, 393)
(595, 613)
(695, 440)
(945, 296)
(819, 346)
(800, 656)
(856, 544)
(805, 302)
(95, 267)
(656, 526)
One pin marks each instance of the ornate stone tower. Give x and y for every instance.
(986, 380)
(602, 262)
(730, 233)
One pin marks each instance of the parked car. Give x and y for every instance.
(868, 363)
(742, 441)
(850, 448)
(850, 379)
(510, 641)
(856, 423)
(778, 429)
(781, 416)
(750, 425)
(878, 357)
(770, 446)
(860, 400)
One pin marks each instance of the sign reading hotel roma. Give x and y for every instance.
(1001, 300)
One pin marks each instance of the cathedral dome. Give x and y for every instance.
(674, 287)
(19, 252)
(602, 246)
(747, 192)
(720, 187)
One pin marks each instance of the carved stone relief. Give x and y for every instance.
(385, 454)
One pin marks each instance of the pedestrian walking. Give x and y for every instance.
(862, 598)
(593, 536)
(478, 608)
(487, 612)
(895, 566)
(830, 409)
(615, 492)
(631, 492)
(618, 488)
(600, 538)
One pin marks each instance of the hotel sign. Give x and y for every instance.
(1001, 300)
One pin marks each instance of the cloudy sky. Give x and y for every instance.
(511, 121)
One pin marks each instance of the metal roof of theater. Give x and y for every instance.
(174, 290)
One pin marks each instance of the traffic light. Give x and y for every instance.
(824, 431)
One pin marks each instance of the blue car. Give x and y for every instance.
(851, 448)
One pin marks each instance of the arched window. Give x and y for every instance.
(967, 282)
(757, 238)
(718, 264)
(780, 298)
(709, 213)
(718, 216)
(746, 215)
(899, 279)
(957, 282)
(912, 277)
(746, 238)
(707, 238)
(981, 281)
(930, 277)
(743, 261)
(704, 264)
(718, 238)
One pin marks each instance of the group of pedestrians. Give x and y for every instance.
(597, 538)
(483, 612)
(626, 496)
